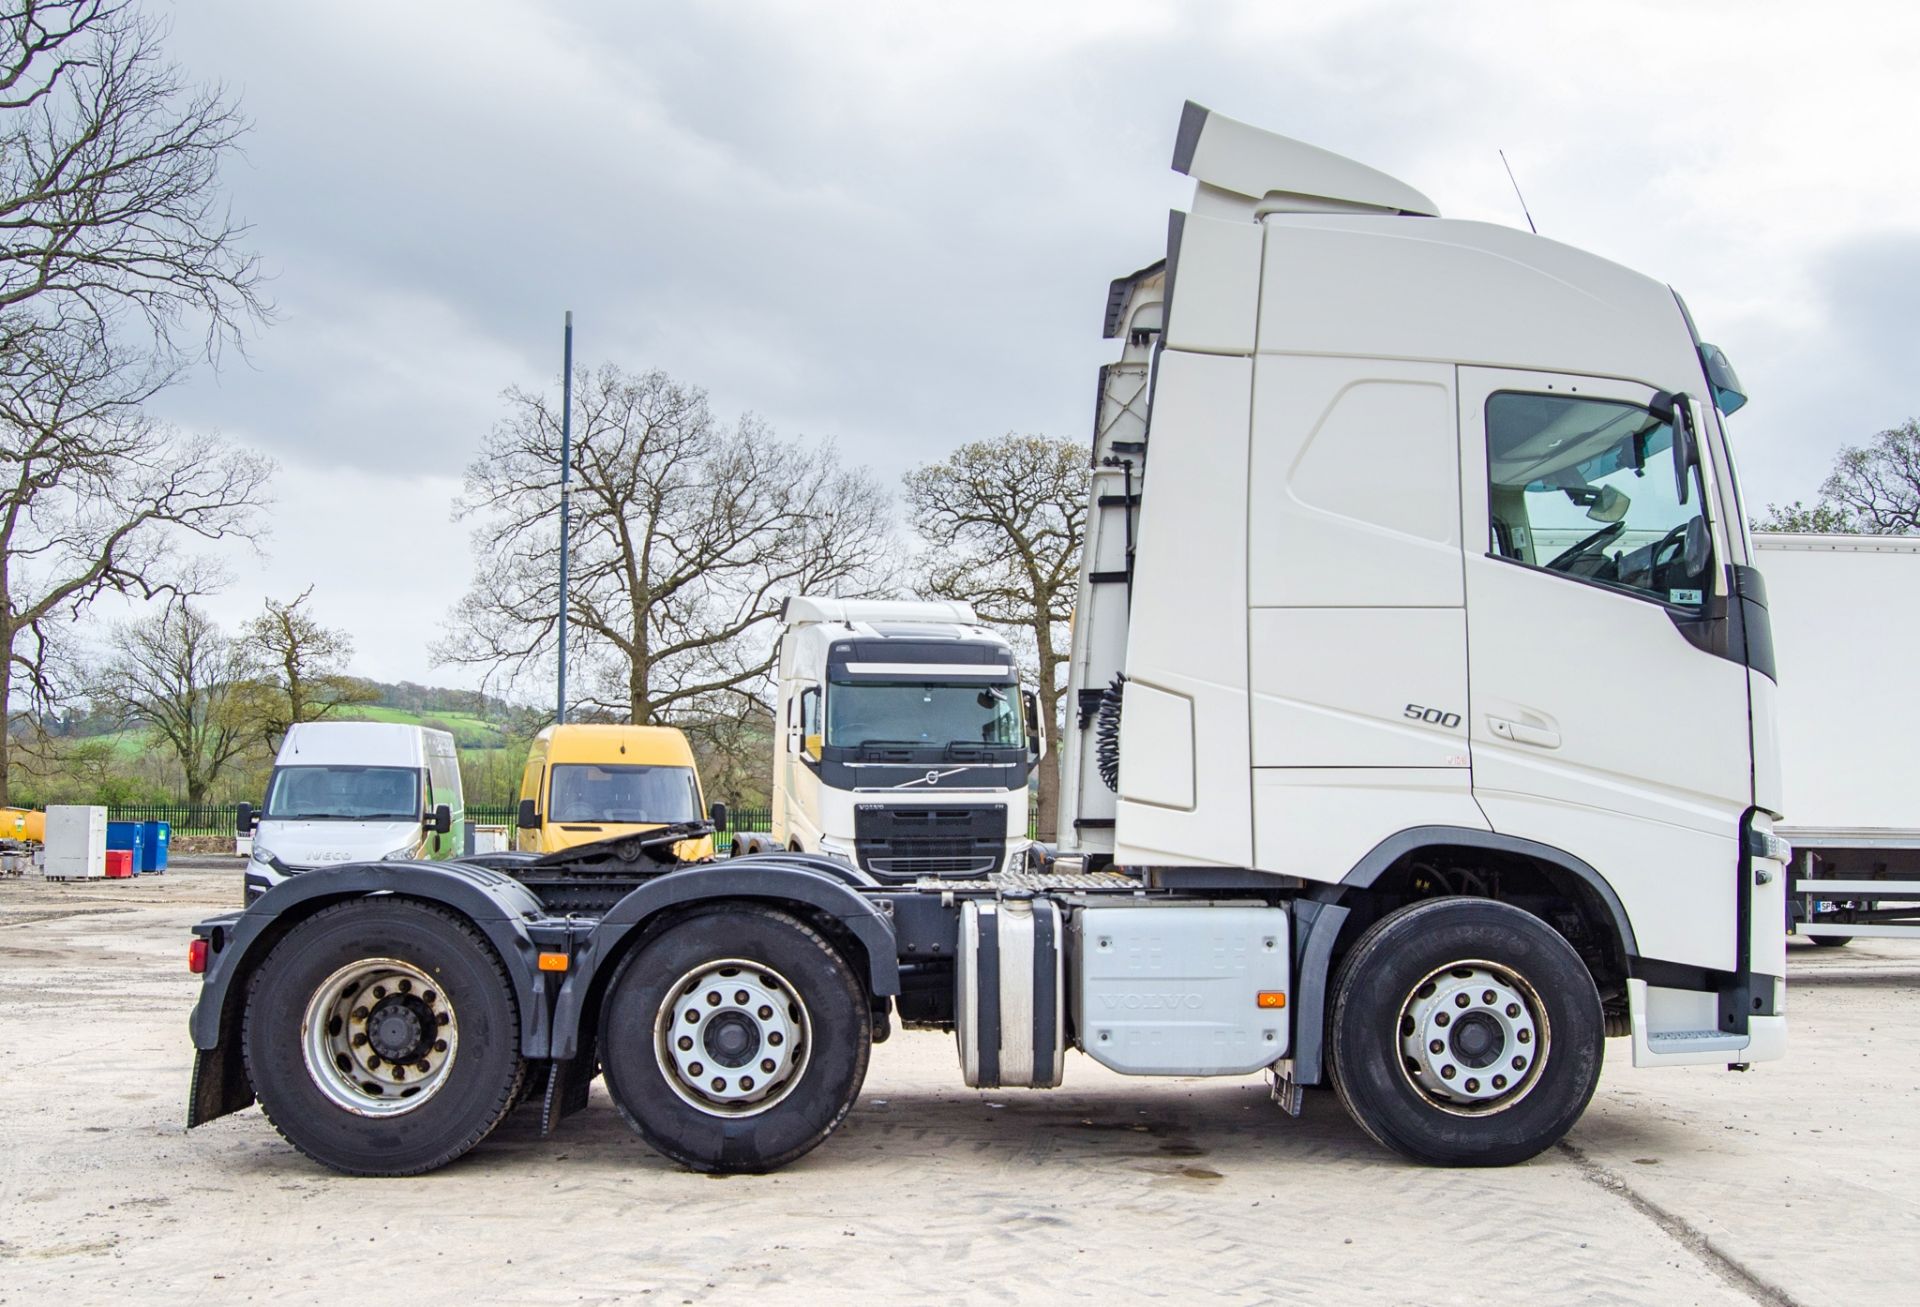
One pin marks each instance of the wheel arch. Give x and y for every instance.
(817, 890)
(1526, 872)
(495, 904)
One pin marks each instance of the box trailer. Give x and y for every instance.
(1849, 717)
(1427, 740)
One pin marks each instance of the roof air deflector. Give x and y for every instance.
(1258, 172)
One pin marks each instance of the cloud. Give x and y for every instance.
(894, 224)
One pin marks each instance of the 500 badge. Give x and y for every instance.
(1431, 716)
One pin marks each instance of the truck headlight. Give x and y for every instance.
(262, 854)
(406, 854)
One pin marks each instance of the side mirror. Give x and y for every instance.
(529, 816)
(1677, 413)
(1697, 552)
(441, 820)
(243, 819)
(806, 737)
(1036, 726)
(717, 814)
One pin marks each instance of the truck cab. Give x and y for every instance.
(1478, 589)
(903, 742)
(587, 782)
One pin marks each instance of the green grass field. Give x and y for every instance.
(469, 730)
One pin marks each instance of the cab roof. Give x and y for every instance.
(658, 746)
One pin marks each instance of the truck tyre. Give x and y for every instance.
(735, 1040)
(382, 1037)
(1465, 1033)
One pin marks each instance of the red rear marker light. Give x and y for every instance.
(197, 957)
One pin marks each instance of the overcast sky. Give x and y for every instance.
(893, 224)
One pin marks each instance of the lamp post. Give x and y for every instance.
(566, 508)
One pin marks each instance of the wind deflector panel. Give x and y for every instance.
(1281, 174)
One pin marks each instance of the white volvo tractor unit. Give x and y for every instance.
(902, 740)
(1424, 741)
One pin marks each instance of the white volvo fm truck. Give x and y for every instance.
(902, 740)
(1426, 741)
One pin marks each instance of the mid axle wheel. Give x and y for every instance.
(735, 1040)
(736, 1035)
(1466, 1032)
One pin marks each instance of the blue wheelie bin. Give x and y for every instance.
(154, 838)
(125, 835)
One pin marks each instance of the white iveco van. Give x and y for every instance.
(355, 792)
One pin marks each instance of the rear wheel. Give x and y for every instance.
(1465, 1033)
(382, 1038)
(736, 1040)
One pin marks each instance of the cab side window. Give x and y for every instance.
(1586, 488)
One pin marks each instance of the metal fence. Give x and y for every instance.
(218, 818)
(488, 814)
(185, 818)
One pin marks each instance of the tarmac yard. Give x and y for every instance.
(1794, 1183)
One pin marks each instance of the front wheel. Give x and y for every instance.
(1466, 1032)
(736, 1040)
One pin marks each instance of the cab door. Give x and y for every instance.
(1602, 721)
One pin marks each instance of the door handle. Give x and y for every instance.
(1537, 732)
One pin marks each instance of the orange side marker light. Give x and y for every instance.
(1272, 998)
(553, 962)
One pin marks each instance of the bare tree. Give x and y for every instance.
(177, 674)
(109, 198)
(118, 262)
(302, 669)
(97, 502)
(687, 534)
(1874, 488)
(733, 743)
(1003, 521)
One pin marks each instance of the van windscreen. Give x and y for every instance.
(597, 792)
(343, 794)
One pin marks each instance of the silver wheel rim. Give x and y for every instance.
(379, 1037)
(1473, 1038)
(732, 1037)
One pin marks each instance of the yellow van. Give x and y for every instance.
(585, 783)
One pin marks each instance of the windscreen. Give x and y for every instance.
(923, 713)
(594, 792)
(343, 794)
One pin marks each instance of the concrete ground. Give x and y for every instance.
(1795, 1183)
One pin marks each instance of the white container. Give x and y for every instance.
(76, 842)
